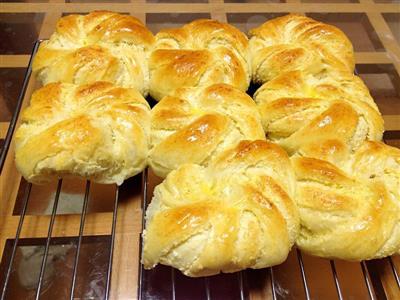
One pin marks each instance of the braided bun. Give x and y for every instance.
(295, 42)
(196, 124)
(236, 213)
(203, 52)
(96, 131)
(319, 116)
(100, 46)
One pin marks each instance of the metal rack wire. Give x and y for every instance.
(49, 237)
(13, 122)
(81, 227)
(26, 197)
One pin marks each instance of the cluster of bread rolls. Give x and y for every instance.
(231, 200)
(90, 119)
(312, 104)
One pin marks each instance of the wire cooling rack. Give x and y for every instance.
(7, 264)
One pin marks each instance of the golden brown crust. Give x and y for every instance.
(237, 213)
(352, 213)
(96, 131)
(203, 52)
(295, 42)
(100, 46)
(377, 161)
(195, 124)
(319, 116)
(348, 183)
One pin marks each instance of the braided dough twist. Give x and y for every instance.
(203, 52)
(96, 131)
(319, 116)
(196, 124)
(350, 212)
(295, 42)
(236, 213)
(100, 46)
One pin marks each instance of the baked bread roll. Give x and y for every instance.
(377, 161)
(97, 131)
(100, 46)
(309, 114)
(236, 213)
(196, 124)
(295, 42)
(202, 52)
(351, 213)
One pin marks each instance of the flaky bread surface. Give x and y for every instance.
(325, 117)
(295, 42)
(203, 52)
(100, 46)
(353, 212)
(196, 124)
(97, 131)
(236, 213)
